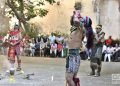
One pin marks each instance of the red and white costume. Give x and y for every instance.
(15, 37)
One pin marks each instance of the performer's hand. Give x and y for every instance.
(12, 44)
(15, 43)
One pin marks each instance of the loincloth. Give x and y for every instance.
(73, 61)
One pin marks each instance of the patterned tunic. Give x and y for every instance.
(14, 38)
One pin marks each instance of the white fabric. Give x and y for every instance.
(52, 39)
(42, 45)
(104, 48)
(32, 46)
(59, 39)
(54, 46)
(109, 51)
(5, 37)
(108, 56)
(55, 51)
(12, 66)
(116, 48)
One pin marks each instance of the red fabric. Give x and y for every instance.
(108, 41)
(14, 50)
(14, 33)
(76, 81)
(60, 47)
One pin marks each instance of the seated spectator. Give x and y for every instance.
(116, 54)
(47, 49)
(37, 49)
(59, 49)
(27, 48)
(108, 53)
(104, 51)
(53, 50)
(116, 47)
(42, 46)
(32, 48)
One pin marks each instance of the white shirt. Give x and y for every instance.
(52, 39)
(109, 50)
(42, 45)
(104, 48)
(32, 46)
(116, 48)
(59, 39)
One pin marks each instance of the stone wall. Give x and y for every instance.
(110, 17)
(58, 17)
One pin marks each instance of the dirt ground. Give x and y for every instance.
(51, 72)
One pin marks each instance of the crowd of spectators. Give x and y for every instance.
(57, 46)
(43, 46)
(110, 52)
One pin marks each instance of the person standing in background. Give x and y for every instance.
(97, 51)
(52, 38)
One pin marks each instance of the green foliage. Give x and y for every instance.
(57, 33)
(30, 12)
(78, 6)
(50, 1)
(42, 12)
(3, 33)
(32, 33)
(26, 8)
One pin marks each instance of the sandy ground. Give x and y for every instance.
(51, 72)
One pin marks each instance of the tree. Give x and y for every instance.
(24, 10)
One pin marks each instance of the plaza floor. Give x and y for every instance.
(51, 72)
